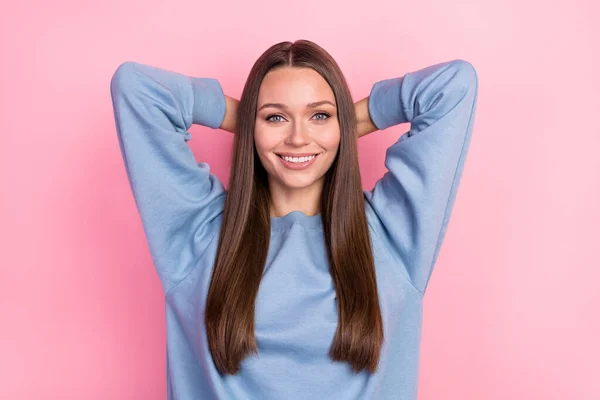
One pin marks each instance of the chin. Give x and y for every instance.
(298, 182)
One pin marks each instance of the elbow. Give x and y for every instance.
(122, 76)
(465, 75)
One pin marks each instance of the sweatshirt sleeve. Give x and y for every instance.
(176, 197)
(412, 203)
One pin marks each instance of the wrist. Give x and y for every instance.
(230, 119)
(364, 123)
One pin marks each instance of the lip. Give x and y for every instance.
(298, 166)
(296, 154)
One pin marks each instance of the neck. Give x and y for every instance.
(285, 199)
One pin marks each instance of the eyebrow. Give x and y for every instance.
(284, 107)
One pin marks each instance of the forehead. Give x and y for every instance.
(294, 87)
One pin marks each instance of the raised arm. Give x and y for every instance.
(176, 197)
(410, 206)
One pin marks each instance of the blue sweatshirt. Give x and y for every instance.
(181, 204)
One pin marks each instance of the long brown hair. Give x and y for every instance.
(245, 230)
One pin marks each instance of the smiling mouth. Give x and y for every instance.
(299, 160)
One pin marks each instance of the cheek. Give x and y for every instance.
(263, 143)
(330, 140)
(261, 140)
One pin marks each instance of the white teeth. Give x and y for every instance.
(298, 159)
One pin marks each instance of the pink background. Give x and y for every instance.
(512, 310)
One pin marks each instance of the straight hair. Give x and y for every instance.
(246, 225)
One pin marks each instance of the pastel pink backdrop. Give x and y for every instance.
(512, 310)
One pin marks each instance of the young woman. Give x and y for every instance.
(294, 283)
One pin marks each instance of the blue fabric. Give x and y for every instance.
(181, 202)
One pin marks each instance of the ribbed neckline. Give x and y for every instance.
(309, 222)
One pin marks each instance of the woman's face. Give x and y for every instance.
(297, 133)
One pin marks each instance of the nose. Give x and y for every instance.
(298, 135)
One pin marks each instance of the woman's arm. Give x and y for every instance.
(365, 124)
(176, 197)
(231, 109)
(410, 206)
